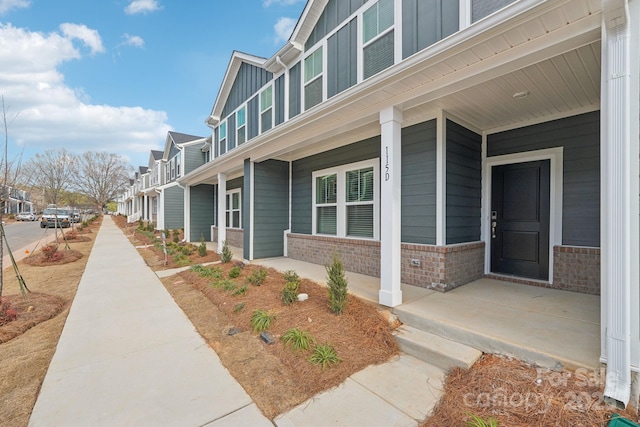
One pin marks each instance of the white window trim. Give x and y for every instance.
(231, 210)
(260, 110)
(243, 106)
(397, 55)
(322, 44)
(341, 203)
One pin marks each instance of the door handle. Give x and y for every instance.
(493, 229)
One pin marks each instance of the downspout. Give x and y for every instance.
(617, 251)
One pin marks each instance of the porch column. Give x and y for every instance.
(145, 208)
(390, 260)
(620, 250)
(186, 211)
(222, 210)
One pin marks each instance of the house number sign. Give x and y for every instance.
(387, 169)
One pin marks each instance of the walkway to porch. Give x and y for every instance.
(547, 327)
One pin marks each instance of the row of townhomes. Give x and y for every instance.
(15, 200)
(433, 143)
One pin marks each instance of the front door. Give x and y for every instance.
(520, 219)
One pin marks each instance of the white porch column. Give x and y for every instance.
(145, 208)
(160, 210)
(619, 196)
(390, 260)
(222, 210)
(186, 211)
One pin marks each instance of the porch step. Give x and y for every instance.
(434, 349)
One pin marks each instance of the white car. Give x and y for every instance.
(26, 216)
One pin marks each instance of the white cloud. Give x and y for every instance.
(283, 28)
(50, 114)
(267, 3)
(142, 6)
(86, 35)
(7, 5)
(134, 41)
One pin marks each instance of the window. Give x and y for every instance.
(241, 121)
(168, 172)
(266, 109)
(346, 201)
(233, 205)
(313, 79)
(173, 168)
(377, 38)
(178, 161)
(222, 138)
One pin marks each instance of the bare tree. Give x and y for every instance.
(51, 171)
(102, 176)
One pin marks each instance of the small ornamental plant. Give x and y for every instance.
(337, 283)
(297, 339)
(50, 253)
(257, 277)
(202, 247)
(261, 320)
(225, 254)
(290, 290)
(7, 312)
(324, 355)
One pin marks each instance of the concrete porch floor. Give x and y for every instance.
(547, 327)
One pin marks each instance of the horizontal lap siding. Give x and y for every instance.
(193, 158)
(464, 184)
(173, 208)
(302, 169)
(418, 217)
(271, 210)
(201, 210)
(580, 137)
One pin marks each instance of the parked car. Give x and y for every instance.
(55, 217)
(26, 216)
(75, 215)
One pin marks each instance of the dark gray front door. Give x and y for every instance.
(520, 219)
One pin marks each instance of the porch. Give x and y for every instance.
(547, 327)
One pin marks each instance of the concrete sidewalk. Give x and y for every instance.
(129, 356)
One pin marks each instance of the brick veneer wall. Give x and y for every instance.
(441, 268)
(576, 269)
(235, 237)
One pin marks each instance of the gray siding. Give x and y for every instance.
(173, 150)
(193, 158)
(302, 169)
(418, 218)
(201, 212)
(231, 132)
(425, 22)
(334, 14)
(271, 210)
(253, 118)
(464, 184)
(216, 151)
(580, 137)
(482, 8)
(246, 210)
(173, 208)
(248, 80)
(279, 100)
(342, 58)
(295, 91)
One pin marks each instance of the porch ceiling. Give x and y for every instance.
(551, 51)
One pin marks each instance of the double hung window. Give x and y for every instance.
(266, 109)
(346, 201)
(313, 79)
(377, 38)
(241, 126)
(233, 209)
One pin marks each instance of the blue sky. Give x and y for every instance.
(116, 75)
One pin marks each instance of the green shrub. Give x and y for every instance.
(181, 259)
(261, 320)
(227, 285)
(291, 276)
(176, 236)
(150, 227)
(86, 224)
(298, 339)
(257, 277)
(290, 292)
(235, 272)
(477, 421)
(226, 255)
(324, 355)
(239, 307)
(240, 291)
(337, 283)
(202, 247)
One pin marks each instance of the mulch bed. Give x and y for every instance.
(35, 309)
(360, 335)
(521, 395)
(66, 256)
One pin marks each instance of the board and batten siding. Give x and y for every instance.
(173, 207)
(271, 208)
(278, 92)
(302, 169)
(247, 83)
(464, 184)
(425, 22)
(333, 15)
(193, 158)
(295, 90)
(418, 181)
(580, 137)
(201, 211)
(253, 117)
(483, 8)
(342, 59)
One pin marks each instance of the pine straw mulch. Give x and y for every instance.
(66, 256)
(521, 395)
(37, 308)
(276, 377)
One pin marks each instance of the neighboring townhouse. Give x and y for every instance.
(436, 142)
(154, 172)
(16, 200)
(132, 202)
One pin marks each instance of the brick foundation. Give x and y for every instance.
(441, 268)
(576, 269)
(235, 236)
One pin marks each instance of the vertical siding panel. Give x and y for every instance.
(295, 85)
(580, 137)
(464, 184)
(418, 199)
(424, 22)
(279, 100)
(248, 80)
(201, 211)
(231, 132)
(253, 117)
(271, 216)
(246, 210)
(173, 207)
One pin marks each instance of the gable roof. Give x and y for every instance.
(156, 154)
(179, 139)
